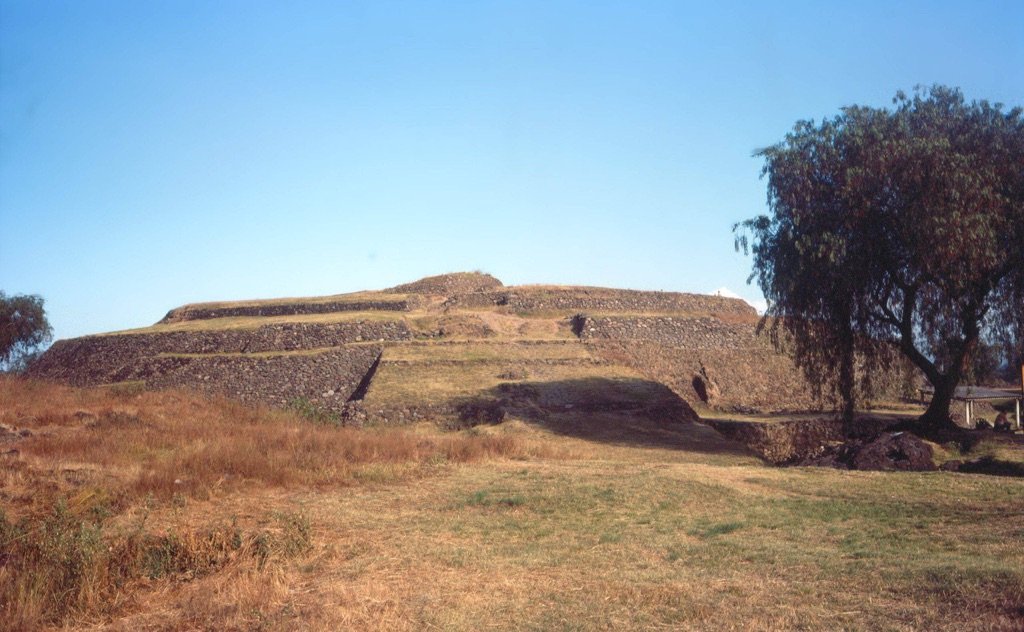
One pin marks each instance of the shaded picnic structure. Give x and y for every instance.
(971, 394)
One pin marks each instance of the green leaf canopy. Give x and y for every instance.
(896, 228)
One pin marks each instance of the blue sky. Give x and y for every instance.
(158, 153)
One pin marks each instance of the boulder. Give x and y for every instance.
(887, 452)
(895, 451)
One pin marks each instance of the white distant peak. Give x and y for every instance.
(758, 304)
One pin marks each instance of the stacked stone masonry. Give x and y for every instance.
(702, 351)
(702, 347)
(693, 333)
(182, 314)
(786, 442)
(711, 363)
(603, 300)
(96, 360)
(450, 284)
(330, 378)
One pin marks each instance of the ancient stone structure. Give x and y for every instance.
(797, 440)
(331, 377)
(270, 364)
(95, 359)
(200, 312)
(450, 285)
(541, 298)
(326, 351)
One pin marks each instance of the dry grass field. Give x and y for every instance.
(131, 510)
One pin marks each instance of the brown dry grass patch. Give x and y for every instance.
(76, 461)
(417, 535)
(167, 443)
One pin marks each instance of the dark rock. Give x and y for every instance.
(1003, 424)
(951, 466)
(705, 388)
(889, 451)
(895, 451)
(474, 413)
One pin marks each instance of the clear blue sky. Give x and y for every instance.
(157, 153)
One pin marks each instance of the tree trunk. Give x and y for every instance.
(846, 385)
(847, 359)
(936, 417)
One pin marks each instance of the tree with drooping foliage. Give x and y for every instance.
(23, 329)
(894, 229)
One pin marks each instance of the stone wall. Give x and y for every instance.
(782, 441)
(786, 442)
(450, 284)
(691, 333)
(602, 300)
(706, 351)
(181, 314)
(742, 379)
(720, 365)
(711, 363)
(326, 379)
(96, 360)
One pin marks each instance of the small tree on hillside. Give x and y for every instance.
(23, 330)
(899, 228)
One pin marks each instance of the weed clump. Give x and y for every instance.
(313, 413)
(62, 564)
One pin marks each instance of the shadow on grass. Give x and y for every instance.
(993, 467)
(617, 411)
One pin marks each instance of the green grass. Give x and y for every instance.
(602, 545)
(438, 382)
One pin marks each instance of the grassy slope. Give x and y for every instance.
(617, 543)
(581, 521)
(519, 526)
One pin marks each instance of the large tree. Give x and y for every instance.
(894, 229)
(23, 329)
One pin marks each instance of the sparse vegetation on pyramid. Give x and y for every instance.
(460, 347)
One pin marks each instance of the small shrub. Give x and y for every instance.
(51, 565)
(313, 412)
(127, 390)
(486, 498)
(296, 532)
